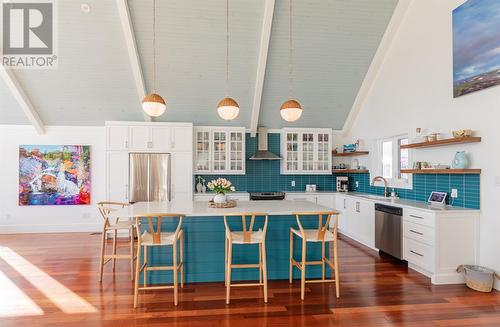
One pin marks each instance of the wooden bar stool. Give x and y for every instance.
(153, 237)
(322, 234)
(105, 208)
(246, 236)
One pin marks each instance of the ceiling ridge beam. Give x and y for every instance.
(265, 37)
(133, 54)
(23, 99)
(377, 62)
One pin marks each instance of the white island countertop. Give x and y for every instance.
(201, 209)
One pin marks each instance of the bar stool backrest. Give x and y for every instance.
(153, 224)
(247, 230)
(107, 207)
(322, 228)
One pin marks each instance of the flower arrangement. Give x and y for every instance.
(221, 186)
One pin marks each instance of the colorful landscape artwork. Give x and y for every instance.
(54, 175)
(476, 46)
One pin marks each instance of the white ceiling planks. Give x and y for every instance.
(98, 79)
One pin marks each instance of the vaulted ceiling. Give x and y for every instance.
(334, 43)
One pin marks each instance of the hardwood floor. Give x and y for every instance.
(52, 280)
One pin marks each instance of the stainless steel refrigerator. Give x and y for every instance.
(149, 177)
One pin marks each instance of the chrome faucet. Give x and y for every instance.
(380, 178)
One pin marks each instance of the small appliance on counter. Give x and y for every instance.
(311, 188)
(342, 184)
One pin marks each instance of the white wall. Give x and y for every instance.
(414, 89)
(17, 219)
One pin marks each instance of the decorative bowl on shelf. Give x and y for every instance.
(462, 133)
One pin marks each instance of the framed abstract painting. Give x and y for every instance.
(54, 175)
(476, 46)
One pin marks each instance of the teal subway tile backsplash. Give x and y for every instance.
(264, 175)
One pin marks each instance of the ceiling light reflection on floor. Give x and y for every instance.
(60, 295)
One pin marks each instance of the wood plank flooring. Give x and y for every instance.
(51, 280)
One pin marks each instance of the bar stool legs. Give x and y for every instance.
(303, 271)
(320, 235)
(246, 237)
(264, 269)
(153, 237)
(228, 271)
(137, 274)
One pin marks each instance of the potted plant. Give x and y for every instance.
(220, 187)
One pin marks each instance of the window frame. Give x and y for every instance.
(395, 181)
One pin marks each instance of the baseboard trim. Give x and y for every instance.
(50, 228)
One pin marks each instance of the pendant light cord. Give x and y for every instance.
(154, 46)
(227, 48)
(290, 58)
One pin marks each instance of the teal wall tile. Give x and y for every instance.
(265, 176)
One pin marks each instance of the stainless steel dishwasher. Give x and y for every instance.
(388, 230)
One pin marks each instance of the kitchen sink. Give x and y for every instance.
(373, 197)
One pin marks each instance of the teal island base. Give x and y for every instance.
(204, 251)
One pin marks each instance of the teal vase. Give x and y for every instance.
(460, 161)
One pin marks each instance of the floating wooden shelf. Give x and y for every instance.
(440, 171)
(349, 171)
(350, 154)
(455, 140)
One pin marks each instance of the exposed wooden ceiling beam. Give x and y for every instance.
(261, 66)
(133, 54)
(377, 62)
(23, 99)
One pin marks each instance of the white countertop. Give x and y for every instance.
(402, 203)
(201, 209)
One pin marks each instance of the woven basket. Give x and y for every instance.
(478, 278)
(227, 204)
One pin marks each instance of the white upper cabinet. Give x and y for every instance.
(182, 139)
(117, 138)
(140, 138)
(161, 139)
(306, 151)
(203, 150)
(219, 150)
(149, 137)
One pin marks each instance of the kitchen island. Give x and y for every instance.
(204, 238)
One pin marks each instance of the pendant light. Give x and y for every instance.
(228, 108)
(153, 104)
(290, 110)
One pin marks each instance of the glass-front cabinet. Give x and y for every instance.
(219, 150)
(306, 151)
(202, 149)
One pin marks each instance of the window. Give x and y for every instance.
(392, 159)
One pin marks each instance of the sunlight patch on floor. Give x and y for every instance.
(60, 295)
(14, 302)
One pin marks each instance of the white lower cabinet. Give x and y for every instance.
(357, 219)
(436, 243)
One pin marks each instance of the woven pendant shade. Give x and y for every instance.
(154, 105)
(228, 109)
(291, 110)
